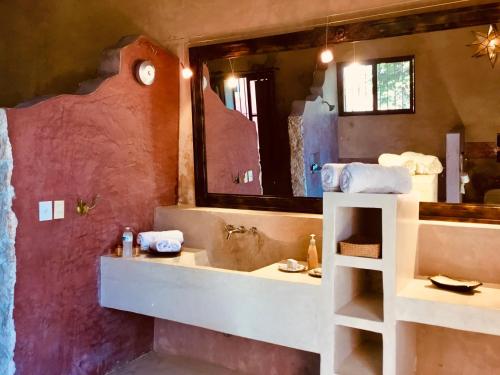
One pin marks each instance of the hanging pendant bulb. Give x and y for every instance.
(232, 81)
(187, 73)
(326, 56)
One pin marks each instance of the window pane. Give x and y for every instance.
(393, 85)
(253, 97)
(358, 95)
(239, 96)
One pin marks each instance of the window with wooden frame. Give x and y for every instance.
(377, 87)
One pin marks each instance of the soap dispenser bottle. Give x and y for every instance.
(312, 254)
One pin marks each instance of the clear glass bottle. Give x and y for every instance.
(127, 238)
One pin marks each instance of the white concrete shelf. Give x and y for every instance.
(359, 262)
(366, 306)
(422, 302)
(366, 359)
(357, 323)
(364, 325)
(266, 304)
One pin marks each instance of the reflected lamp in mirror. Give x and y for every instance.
(487, 44)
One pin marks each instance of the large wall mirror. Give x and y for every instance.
(268, 114)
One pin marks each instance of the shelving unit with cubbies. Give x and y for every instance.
(361, 326)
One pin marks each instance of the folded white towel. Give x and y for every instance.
(330, 174)
(144, 239)
(166, 246)
(374, 178)
(426, 164)
(393, 160)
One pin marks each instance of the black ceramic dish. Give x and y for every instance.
(463, 286)
(166, 254)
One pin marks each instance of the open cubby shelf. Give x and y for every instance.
(358, 352)
(358, 294)
(369, 306)
(359, 221)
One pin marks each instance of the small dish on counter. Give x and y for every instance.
(316, 272)
(445, 282)
(298, 268)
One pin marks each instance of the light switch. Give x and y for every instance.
(45, 210)
(58, 209)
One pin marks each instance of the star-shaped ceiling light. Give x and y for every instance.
(487, 44)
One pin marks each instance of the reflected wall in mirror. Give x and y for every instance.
(267, 95)
(270, 130)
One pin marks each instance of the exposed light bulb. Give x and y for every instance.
(326, 56)
(187, 73)
(232, 81)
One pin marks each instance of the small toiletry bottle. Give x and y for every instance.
(127, 238)
(312, 254)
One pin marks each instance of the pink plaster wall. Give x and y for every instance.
(233, 352)
(443, 351)
(466, 251)
(121, 142)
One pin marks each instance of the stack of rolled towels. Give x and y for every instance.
(391, 175)
(169, 241)
(415, 162)
(365, 178)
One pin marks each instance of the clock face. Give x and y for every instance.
(145, 73)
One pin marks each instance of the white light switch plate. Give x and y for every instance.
(45, 210)
(58, 209)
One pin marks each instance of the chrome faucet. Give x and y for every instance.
(230, 229)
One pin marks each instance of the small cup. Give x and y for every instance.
(292, 264)
(136, 251)
(119, 251)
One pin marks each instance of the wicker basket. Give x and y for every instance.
(359, 246)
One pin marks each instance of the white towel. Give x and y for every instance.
(393, 160)
(166, 246)
(426, 164)
(330, 174)
(144, 239)
(374, 178)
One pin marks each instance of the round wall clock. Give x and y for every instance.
(145, 72)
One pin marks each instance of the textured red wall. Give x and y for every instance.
(121, 142)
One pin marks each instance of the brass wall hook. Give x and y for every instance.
(83, 208)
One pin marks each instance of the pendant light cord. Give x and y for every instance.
(326, 32)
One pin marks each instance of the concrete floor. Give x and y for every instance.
(155, 364)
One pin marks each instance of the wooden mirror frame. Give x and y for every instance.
(315, 37)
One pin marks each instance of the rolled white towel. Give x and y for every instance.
(330, 174)
(144, 239)
(393, 160)
(374, 178)
(166, 246)
(426, 164)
